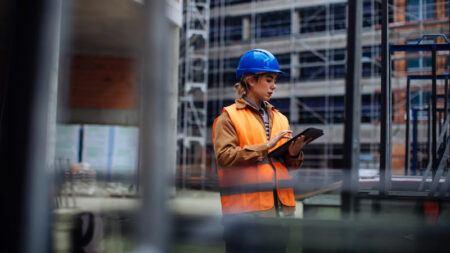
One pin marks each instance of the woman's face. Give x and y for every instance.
(263, 87)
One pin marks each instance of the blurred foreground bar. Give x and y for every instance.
(28, 123)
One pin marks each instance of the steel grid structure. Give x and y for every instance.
(297, 44)
(296, 32)
(317, 30)
(193, 90)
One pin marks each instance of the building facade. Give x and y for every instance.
(309, 40)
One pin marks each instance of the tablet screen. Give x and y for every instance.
(311, 132)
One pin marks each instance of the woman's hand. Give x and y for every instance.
(277, 137)
(296, 146)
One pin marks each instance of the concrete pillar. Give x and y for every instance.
(295, 22)
(155, 106)
(246, 28)
(174, 13)
(173, 98)
(294, 111)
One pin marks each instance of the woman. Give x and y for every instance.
(250, 181)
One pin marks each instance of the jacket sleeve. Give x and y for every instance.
(226, 146)
(293, 163)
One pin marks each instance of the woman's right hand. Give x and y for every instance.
(277, 137)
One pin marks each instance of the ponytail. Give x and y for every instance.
(241, 86)
(240, 89)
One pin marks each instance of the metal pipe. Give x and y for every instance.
(385, 145)
(408, 119)
(352, 105)
(414, 144)
(446, 106)
(434, 116)
(445, 113)
(429, 134)
(155, 96)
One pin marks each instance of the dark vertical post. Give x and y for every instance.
(445, 113)
(28, 125)
(154, 118)
(385, 142)
(429, 134)
(414, 143)
(352, 105)
(408, 120)
(434, 109)
(446, 106)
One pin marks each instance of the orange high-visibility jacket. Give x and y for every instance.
(250, 188)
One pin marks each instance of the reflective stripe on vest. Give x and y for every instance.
(250, 188)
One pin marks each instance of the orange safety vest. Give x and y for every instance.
(250, 188)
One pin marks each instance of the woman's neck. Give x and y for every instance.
(254, 99)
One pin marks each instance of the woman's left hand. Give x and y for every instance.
(296, 146)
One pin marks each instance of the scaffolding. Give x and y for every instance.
(308, 38)
(296, 23)
(193, 89)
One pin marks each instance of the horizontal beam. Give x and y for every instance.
(419, 48)
(428, 77)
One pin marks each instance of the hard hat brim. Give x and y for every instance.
(240, 72)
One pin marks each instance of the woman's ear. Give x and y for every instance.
(251, 82)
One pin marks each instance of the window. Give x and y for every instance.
(217, 3)
(214, 30)
(337, 59)
(418, 64)
(231, 63)
(336, 109)
(420, 9)
(312, 110)
(372, 12)
(320, 110)
(214, 109)
(312, 65)
(313, 19)
(339, 12)
(420, 98)
(214, 78)
(284, 60)
(312, 57)
(233, 29)
(282, 105)
(228, 75)
(370, 108)
(371, 65)
(273, 24)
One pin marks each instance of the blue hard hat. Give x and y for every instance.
(257, 60)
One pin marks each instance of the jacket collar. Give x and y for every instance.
(241, 103)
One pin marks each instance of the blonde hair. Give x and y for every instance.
(242, 86)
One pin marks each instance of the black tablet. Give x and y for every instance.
(311, 132)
